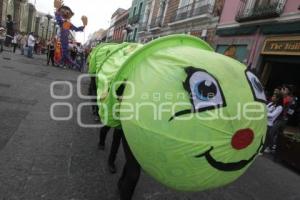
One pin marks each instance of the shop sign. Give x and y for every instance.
(282, 46)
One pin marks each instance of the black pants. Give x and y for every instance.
(15, 47)
(268, 140)
(131, 172)
(102, 136)
(114, 145)
(50, 57)
(93, 92)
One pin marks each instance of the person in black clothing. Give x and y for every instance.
(131, 172)
(104, 130)
(50, 55)
(93, 92)
(114, 146)
(73, 54)
(9, 31)
(132, 169)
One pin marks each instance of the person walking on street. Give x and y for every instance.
(9, 31)
(15, 42)
(80, 51)
(23, 43)
(31, 43)
(2, 37)
(51, 49)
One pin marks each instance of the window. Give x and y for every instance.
(134, 34)
(134, 11)
(184, 9)
(185, 3)
(262, 3)
(140, 8)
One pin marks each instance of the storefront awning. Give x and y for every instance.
(281, 28)
(237, 31)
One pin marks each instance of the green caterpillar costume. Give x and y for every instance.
(182, 109)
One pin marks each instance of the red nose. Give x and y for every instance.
(242, 139)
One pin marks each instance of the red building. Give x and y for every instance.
(119, 27)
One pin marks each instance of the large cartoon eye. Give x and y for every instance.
(205, 91)
(256, 87)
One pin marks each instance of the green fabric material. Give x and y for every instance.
(167, 149)
(110, 66)
(97, 55)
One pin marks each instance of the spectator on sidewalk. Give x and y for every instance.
(31, 43)
(275, 113)
(50, 54)
(73, 54)
(80, 51)
(23, 43)
(9, 31)
(15, 42)
(2, 37)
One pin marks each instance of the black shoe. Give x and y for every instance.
(112, 168)
(101, 146)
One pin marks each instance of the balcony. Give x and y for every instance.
(191, 11)
(263, 11)
(134, 19)
(143, 27)
(156, 23)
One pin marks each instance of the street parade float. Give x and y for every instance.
(194, 119)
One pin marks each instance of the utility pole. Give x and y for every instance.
(49, 17)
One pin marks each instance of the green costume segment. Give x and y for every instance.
(194, 119)
(98, 55)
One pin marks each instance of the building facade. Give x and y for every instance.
(119, 12)
(136, 18)
(24, 13)
(265, 35)
(119, 27)
(13, 8)
(195, 17)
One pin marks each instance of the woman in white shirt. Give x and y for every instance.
(15, 42)
(30, 43)
(275, 111)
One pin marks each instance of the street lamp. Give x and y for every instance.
(49, 17)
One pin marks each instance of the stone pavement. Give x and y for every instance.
(45, 159)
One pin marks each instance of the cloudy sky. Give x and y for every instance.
(98, 11)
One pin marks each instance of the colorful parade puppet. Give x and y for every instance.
(63, 16)
(57, 51)
(194, 119)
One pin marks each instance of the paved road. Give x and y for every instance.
(44, 159)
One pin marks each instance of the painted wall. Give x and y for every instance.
(231, 7)
(230, 10)
(292, 6)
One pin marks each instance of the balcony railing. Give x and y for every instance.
(195, 9)
(264, 11)
(156, 23)
(143, 26)
(134, 19)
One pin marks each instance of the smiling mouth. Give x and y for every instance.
(228, 166)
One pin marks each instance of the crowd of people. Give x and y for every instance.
(30, 44)
(281, 107)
